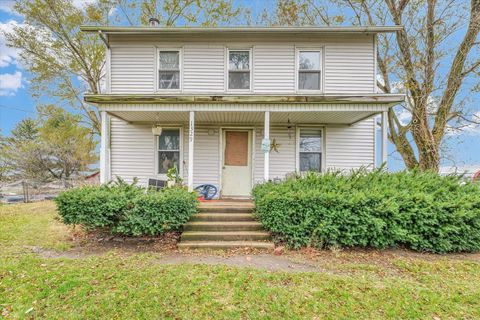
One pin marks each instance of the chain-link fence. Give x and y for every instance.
(31, 190)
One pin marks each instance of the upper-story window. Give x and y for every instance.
(169, 75)
(239, 74)
(309, 70)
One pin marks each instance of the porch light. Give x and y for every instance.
(289, 127)
(156, 130)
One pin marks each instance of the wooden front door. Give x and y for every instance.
(237, 163)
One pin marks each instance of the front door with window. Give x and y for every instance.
(237, 163)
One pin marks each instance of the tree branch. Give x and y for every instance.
(455, 74)
(472, 68)
(404, 47)
(430, 46)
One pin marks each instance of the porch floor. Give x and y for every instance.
(225, 224)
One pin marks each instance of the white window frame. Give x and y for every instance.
(250, 70)
(163, 176)
(322, 68)
(157, 68)
(297, 147)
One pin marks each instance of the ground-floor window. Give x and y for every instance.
(168, 150)
(310, 150)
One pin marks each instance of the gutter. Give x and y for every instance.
(255, 30)
(245, 99)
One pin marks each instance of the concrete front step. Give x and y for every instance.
(223, 226)
(223, 217)
(225, 209)
(224, 236)
(225, 245)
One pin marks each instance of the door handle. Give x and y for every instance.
(223, 167)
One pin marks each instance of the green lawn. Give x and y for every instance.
(134, 286)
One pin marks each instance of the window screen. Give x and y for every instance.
(169, 70)
(310, 150)
(168, 150)
(239, 70)
(309, 70)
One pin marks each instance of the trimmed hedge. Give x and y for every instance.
(418, 210)
(127, 209)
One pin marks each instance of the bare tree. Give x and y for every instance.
(65, 62)
(423, 61)
(428, 65)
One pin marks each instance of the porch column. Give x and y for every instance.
(384, 137)
(191, 138)
(104, 147)
(266, 139)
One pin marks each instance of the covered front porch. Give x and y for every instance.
(234, 146)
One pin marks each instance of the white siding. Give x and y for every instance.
(281, 162)
(346, 147)
(133, 155)
(132, 151)
(203, 68)
(350, 147)
(274, 68)
(132, 69)
(206, 158)
(350, 66)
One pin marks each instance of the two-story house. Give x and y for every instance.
(233, 107)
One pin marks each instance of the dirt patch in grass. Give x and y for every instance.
(80, 275)
(165, 243)
(243, 258)
(257, 260)
(375, 262)
(361, 255)
(379, 263)
(83, 244)
(343, 262)
(36, 228)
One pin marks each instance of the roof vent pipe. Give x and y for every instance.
(153, 22)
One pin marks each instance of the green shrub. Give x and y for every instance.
(157, 212)
(127, 209)
(421, 211)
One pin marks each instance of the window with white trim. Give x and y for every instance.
(169, 70)
(309, 68)
(310, 150)
(239, 69)
(168, 149)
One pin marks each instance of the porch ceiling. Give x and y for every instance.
(218, 117)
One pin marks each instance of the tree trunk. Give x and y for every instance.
(429, 157)
(406, 152)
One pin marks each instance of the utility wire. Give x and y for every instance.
(16, 108)
(22, 110)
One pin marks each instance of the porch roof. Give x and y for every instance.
(245, 118)
(361, 98)
(221, 114)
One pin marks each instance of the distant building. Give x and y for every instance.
(468, 171)
(93, 178)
